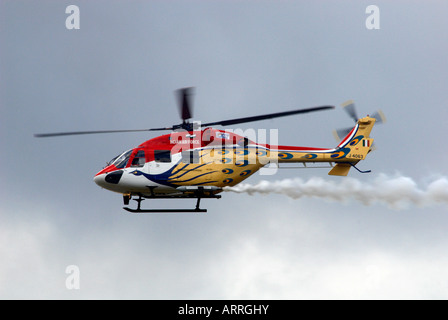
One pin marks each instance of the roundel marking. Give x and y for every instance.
(310, 156)
(241, 163)
(228, 180)
(337, 155)
(227, 171)
(223, 151)
(244, 152)
(285, 155)
(261, 153)
(245, 173)
(340, 154)
(356, 140)
(226, 160)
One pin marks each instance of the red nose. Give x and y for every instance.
(107, 169)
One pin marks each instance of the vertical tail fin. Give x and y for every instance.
(354, 147)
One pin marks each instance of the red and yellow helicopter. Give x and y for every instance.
(197, 161)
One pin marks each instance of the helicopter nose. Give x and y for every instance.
(105, 179)
(100, 180)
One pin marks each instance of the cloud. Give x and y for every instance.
(275, 250)
(28, 267)
(303, 254)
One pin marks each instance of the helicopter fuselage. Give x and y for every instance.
(211, 159)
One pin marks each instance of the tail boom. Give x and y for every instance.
(352, 149)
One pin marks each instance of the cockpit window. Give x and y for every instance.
(162, 155)
(139, 159)
(121, 161)
(113, 160)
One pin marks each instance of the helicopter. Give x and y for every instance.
(197, 161)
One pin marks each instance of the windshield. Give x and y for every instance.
(121, 160)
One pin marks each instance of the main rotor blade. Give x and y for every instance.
(349, 107)
(184, 101)
(58, 134)
(266, 116)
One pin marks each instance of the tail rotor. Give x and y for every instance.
(350, 108)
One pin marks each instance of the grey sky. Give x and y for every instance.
(119, 71)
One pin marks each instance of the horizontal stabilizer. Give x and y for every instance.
(340, 169)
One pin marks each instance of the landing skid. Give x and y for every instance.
(195, 210)
(163, 210)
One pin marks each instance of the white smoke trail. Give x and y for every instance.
(396, 192)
